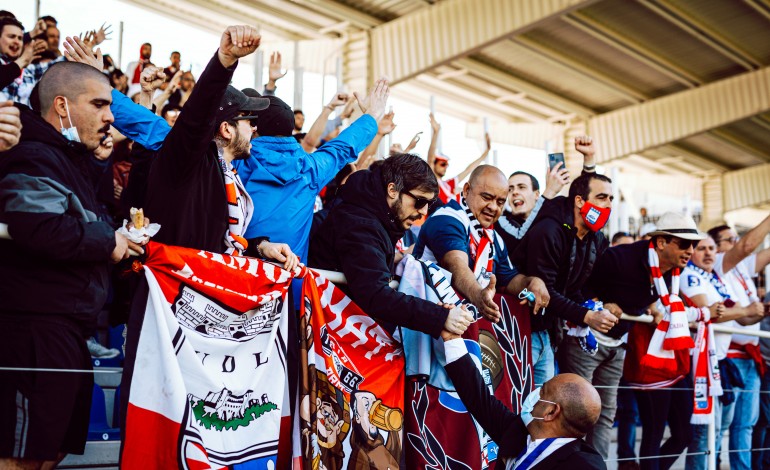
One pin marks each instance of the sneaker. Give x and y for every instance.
(100, 352)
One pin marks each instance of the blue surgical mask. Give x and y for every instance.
(529, 405)
(69, 133)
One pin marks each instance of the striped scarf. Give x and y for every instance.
(482, 246)
(672, 332)
(239, 210)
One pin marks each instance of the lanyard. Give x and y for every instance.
(526, 463)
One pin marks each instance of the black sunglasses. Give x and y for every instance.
(420, 202)
(685, 244)
(252, 118)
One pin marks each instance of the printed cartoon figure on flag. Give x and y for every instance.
(351, 385)
(210, 389)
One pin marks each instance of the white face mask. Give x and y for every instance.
(70, 133)
(529, 405)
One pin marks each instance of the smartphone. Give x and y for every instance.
(554, 159)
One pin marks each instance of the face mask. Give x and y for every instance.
(529, 405)
(70, 133)
(595, 217)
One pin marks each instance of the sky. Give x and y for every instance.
(197, 47)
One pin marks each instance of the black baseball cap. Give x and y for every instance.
(235, 102)
(278, 119)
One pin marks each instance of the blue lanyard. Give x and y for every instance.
(526, 463)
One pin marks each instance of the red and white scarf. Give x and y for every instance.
(672, 333)
(707, 381)
(239, 210)
(482, 246)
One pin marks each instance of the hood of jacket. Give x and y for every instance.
(560, 210)
(365, 190)
(279, 156)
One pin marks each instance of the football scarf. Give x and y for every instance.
(482, 246)
(240, 208)
(706, 377)
(715, 281)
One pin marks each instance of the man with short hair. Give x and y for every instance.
(622, 238)
(549, 431)
(561, 248)
(55, 270)
(176, 62)
(12, 49)
(736, 264)
(448, 188)
(524, 203)
(53, 40)
(359, 236)
(299, 121)
(459, 238)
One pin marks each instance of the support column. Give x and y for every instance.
(713, 205)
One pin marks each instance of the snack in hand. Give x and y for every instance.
(137, 217)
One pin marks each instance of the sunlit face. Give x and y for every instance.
(240, 144)
(11, 41)
(53, 35)
(404, 205)
(486, 198)
(146, 52)
(299, 121)
(440, 166)
(676, 252)
(726, 240)
(175, 59)
(705, 254)
(522, 197)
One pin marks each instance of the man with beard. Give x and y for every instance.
(459, 237)
(368, 449)
(55, 270)
(359, 237)
(12, 50)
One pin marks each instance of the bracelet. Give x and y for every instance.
(259, 252)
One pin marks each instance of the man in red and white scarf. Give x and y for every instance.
(448, 189)
(459, 237)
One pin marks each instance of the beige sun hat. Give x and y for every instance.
(678, 225)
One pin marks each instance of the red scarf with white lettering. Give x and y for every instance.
(672, 333)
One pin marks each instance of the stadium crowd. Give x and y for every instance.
(232, 171)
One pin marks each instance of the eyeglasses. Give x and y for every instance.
(685, 244)
(729, 240)
(420, 202)
(252, 118)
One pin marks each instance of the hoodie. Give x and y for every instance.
(358, 238)
(552, 251)
(60, 247)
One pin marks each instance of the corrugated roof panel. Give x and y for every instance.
(719, 150)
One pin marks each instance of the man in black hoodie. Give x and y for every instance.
(359, 238)
(561, 249)
(55, 269)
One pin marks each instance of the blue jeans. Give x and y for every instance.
(761, 437)
(542, 357)
(626, 416)
(699, 442)
(746, 408)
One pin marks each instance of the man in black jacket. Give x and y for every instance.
(54, 271)
(561, 249)
(359, 237)
(548, 433)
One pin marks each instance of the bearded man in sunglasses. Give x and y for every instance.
(359, 236)
(459, 237)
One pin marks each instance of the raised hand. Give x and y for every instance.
(151, 78)
(488, 142)
(434, 125)
(39, 29)
(585, 145)
(102, 34)
(557, 178)
(274, 70)
(385, 126)
(237, 42)
(374, 104)
(338, 100)
(31, 52)
(75, 50)
(173, 85)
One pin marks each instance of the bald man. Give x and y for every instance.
(460, 238)
(549, 431)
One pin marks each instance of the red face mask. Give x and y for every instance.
(595, 217)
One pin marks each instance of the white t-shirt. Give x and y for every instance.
(693, 283)
(738, 280)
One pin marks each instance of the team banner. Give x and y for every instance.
(209, 389)
(439, 432)
(351, 386)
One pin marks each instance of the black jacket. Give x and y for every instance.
(58, 260)
(185, 186)
(358, 238)
(506, 427)
(552, 251)
(622, 276)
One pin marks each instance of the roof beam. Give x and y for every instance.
(734, 141)
(632, 48)
(342, 12)
(671, 118)
(746, 187)
(705, 33)
(510, 82)
(433, 36)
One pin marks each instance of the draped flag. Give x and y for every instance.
(440, 433)
(351, 385)
(209, 389)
